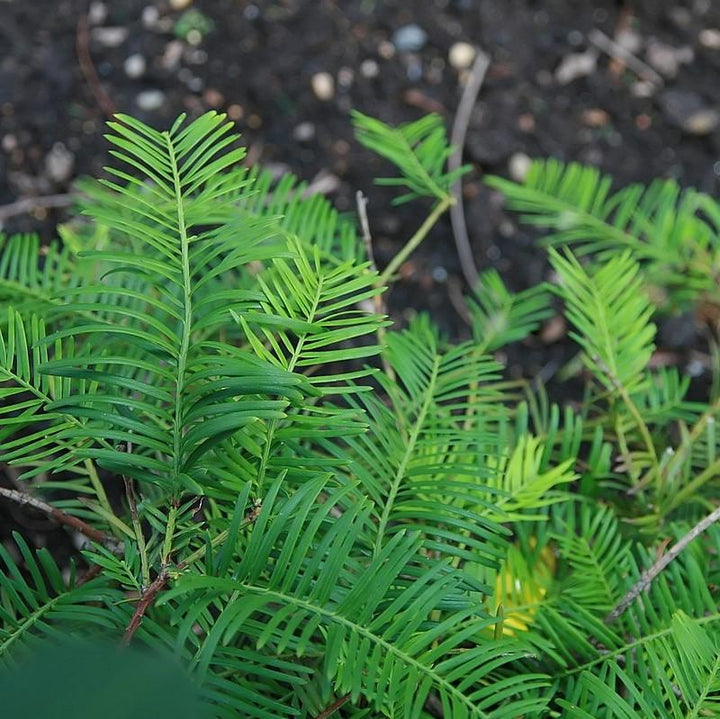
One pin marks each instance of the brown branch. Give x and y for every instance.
(87, 67)
(457, 140)
(61, 517)
(332, 708)
(649, 575)
(42, 202)
(143, 605)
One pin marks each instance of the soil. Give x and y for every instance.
(256, 61)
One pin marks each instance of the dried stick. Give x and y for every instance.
(602, 42)
(27, 500)
(82, 47)
(378, 299)
(648, 576)
(457, 140)
(332, 708)
(28, 204)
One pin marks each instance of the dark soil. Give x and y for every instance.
(257, 63)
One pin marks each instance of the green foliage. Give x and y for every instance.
(317, 513)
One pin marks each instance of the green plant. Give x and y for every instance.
(193, 385)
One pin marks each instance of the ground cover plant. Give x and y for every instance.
(321, 514)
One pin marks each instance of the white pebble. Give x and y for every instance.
(519, 166)
(323, 85)
(110, 36)
(576, 65)
(59, 163)
(149, 100)
(135, 66)
(461, 55)
(710, 38)
(180, 4)
(150, 16)
(369, 69)
(97, 13)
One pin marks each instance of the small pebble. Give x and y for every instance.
(345, 77)
(629, 40)
(409, 38)
(135, 66)
(667, 59)
(643, 88)
(110, 36)
(97, 13)
(213, 98)
(172, 55)
(59, 163)
(594, 117)
(9, 143)
(194, 37)
(180, 4)
(710, 38)
(150, 100)
(369, 69)
(689, 112)
(150, 16)
(461, 55)
(386, 50)
(323, 86)
(251, 12)
(519, 166)
(575, 66)
(304, 132)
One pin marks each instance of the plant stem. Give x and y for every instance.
(416, 239)
(187, 318)
(169, 532)
(139, 536)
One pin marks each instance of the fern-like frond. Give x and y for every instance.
(418, 149)
(37, 603)
(611, 315)
(671, 231)
(168, 398)
(304, 585)
(500, 317)
(682, 680)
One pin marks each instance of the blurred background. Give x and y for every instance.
(631, 87)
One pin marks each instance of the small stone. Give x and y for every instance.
(323, 86)
(304, 132)
(251, 12)
(369, 69)
(59, 163)
(97, 13)
(709, 38)
(150, 100)
(526, 122)
(666, 59)
(643, 88)
(135, 66)
(643, 121)
(629, 40)
(194, 37)
(386, 50)
(519, 166)
(150, 16)
(594, 117)
(345, 77)
(236, 112)
(575, 66)
(110, 36)
(180, 4)
(461, 55)
(688, 111)
(213, 98)
(172, 55)
(409, 38)
(9, 143)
